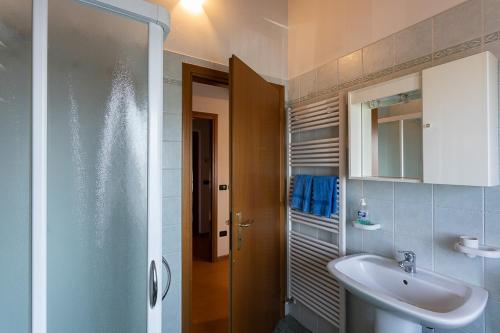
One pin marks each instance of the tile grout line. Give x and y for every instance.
(433, 46)
(482, 26)
(394, 218)
(433, 228)
(483, 259)
(362, 231)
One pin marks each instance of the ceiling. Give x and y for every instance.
(254, 30)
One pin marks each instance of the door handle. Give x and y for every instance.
(153, 284)
(241, 225)
(247, 223)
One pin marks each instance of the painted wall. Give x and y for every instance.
(321, 30)
(215, 100)
(253, 30)
(423, 217)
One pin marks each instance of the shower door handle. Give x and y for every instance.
(153, 284)
(169, 272)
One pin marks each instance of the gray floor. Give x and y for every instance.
(290, 325)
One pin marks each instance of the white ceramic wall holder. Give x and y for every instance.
(471, 248)
(368, 227)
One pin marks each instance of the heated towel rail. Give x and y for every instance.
(316, 146)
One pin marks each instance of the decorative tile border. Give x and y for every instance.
(328, 90)
(492, 37)
(413, 63)
(456, 49)
(379, 74)
(350, 83)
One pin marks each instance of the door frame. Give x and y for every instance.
(283, 198)
(190, 74)
(215, 183)
(193, 73)
(158, 21)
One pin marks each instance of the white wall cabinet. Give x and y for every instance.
(460, 122)
(455, 104)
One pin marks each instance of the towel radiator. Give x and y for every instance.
(316, 145)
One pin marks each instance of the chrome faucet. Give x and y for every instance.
(409, 264)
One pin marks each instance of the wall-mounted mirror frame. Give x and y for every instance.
(365, 107)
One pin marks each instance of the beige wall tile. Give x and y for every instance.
(172, 100)
(491, 16)
(379, 55)
(457, 25)
(327, 76)
(351, 67)
(293, 89)
(414, 42)
(286, 85)
(493, 47)
(307, 82)
(172, 65)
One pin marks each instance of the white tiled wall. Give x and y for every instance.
(421, 217)
(172, 130)
(428, 219)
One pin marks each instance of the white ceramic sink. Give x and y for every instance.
(407, 301)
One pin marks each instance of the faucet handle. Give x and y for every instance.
(409, 255)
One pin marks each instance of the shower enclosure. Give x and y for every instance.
(80, 165)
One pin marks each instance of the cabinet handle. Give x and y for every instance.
(427, 125)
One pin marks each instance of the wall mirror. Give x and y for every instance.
(385, 130)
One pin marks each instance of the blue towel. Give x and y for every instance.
(301, 196)
(324, 195)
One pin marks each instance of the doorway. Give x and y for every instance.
(233, 269)
(210, 207)
(205, 231)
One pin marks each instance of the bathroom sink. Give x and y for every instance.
(406, 301)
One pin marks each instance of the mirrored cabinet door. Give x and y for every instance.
(385, 131)
(392, 130)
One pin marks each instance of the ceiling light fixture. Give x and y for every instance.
(195, 6)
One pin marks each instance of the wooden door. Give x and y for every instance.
(257, 265)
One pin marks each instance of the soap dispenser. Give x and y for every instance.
(363, 212)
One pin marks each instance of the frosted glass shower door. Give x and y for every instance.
(15, 165)
(99, 148)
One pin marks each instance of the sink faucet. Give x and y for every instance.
(409, 264)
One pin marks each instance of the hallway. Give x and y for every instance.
(210, 296)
